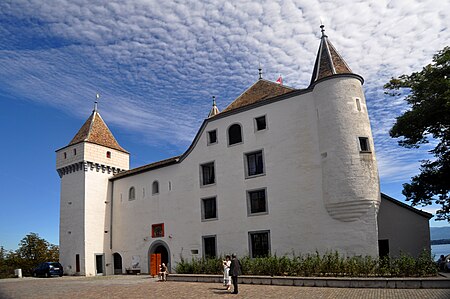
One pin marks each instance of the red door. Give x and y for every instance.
(155, 261)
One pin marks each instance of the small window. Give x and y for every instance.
(255, 164)
(260, 123)
(74, 151)
(234, 134)
(108, 154)
(132, 194)
(155, 187)
(209, 210)
(364, 144)
(259, 243)
(209, 247)
(212, 137)
(358, 104)
(256, 202)
(158, 230)
(207, 174)
(65, 155)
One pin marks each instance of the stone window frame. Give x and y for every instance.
(155, 187)
(251, 233)
(366, 148)
(228, 134)
(208, 137)
(246, 168)
(131, 193)
(204, 247)
(202, 185)
(202, 208)
(249, 209)
(255, 122)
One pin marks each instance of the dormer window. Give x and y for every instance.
(108, 155)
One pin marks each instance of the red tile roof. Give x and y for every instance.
(96, 131)
(259, 91)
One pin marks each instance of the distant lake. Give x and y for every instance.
(437, 250)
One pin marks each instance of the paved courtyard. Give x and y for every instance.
(142, 286)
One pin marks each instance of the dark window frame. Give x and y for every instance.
(364, 144)
(258, 123)
(205, 248)
(131, 193)
(208, 137)
(233, 139)
(155, 187)
(256, 158)
(206, 178)
(258, 236)
(254, 211)
(205, 209)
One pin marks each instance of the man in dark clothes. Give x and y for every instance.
(235, 271)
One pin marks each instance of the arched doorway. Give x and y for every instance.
(117, 258)
(158, 253)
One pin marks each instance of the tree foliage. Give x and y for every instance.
(428, 118)
(32, 251)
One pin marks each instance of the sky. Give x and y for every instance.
(156, 66)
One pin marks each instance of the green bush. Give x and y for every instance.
(328, 264)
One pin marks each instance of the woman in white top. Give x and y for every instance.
(226, 274)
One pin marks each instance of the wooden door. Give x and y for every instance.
(155, 261)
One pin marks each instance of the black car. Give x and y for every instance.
(48, 269)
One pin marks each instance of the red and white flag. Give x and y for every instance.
(280, 80)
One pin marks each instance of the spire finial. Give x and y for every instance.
(260, 71)
(214, 100)
(322, 26)
(97, 97)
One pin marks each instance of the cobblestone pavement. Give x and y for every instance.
(142, 286)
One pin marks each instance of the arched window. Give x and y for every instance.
(155, 187)
(131, 194)
(234, 134)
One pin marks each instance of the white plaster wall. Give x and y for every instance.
(71, 229)
(70, 156)
(97, 153)
(406, 231)
(297, 218)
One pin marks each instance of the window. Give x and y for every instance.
(256, 201)
(131, 194)
(155, 187)
(158, 230)
(74, 151)
(358, 104)
(65, 155)
(259, 243)
(108, 154)
(209, 210)
(260, 123)
(207, 174)
(234, 134)
(209, 246)
(212, 137)
(255, 164)
(364, 144)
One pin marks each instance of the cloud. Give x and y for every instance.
(157, 64)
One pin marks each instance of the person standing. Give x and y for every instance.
(235, 271)
(226, 272)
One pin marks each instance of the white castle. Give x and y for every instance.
(279, 171)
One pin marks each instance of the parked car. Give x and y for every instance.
(48, 269)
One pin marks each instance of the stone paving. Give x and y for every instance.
(143, 286)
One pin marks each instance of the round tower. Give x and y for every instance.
(85, 166)
(349, 167)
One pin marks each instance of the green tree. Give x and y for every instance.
(428, 118)
(32, 251)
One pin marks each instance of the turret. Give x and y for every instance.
(85, 166)
(347, 154)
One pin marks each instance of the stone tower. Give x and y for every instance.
(85, 166)
(349, 169)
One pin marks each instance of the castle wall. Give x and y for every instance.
(298, 183)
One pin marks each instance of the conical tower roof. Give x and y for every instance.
(328, 61)
(96, 131)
